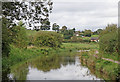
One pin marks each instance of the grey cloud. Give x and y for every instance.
(81, 15)
(81, 6)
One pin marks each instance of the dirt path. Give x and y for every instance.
(107, 58)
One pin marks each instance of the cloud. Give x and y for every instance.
(84, 14)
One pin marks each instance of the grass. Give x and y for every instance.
(107, 70)
(31, 32)
(88, 38)
(113, 56)
(81, 46)
(85, 38)
(18, 55)
(95, 36)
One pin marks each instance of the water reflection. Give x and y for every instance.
(52, 68)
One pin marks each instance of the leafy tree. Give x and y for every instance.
(6, 39)
(97, 32)
(50, 39)
(55, 27)
(108, 29)
(64, 28)
(74, 30)
(19, 37)
(119, 41)
(109, 39)
(87, 33)
(32, 12)
(68, 33)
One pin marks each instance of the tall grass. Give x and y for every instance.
(107, 70)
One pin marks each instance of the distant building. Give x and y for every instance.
(94, 39)
(76, 33)
(82, 36)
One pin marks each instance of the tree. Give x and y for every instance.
(18, 35)
(87, 33)
(55, 27)
(99, 31)
(50, 39)
(109, 39)
(64, 28)
(108, 29)
(6, 40)
(67, 33)
(73, 30)
(32, 12)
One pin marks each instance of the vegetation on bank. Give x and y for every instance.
(50, 39)
(102, 68)
(109, 39)
(18, 55)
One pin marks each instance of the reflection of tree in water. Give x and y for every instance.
(42, 63)
(5, 69)
(20, 72)
(51, 62)
(68, 60)
(46, 63)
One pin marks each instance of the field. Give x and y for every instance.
(81, 46)
(95, 36)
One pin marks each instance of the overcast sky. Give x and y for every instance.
(84, 14)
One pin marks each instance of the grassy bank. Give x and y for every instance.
(114, 56)
(18, 55)
(102, 68)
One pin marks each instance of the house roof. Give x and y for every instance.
(94, 38)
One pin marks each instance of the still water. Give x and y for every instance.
(54, 68)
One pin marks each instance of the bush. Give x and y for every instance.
(109, 41)
(50, 39)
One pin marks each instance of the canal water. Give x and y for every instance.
(54, 68)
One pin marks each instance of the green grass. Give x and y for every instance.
(95, 36)
(113, 56)
(81, 46)
(109, 69)
(18, 55)
(88, 38)
(85, 38)
(31, 32)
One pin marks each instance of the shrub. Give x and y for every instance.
(109, 42)
(50, 39)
